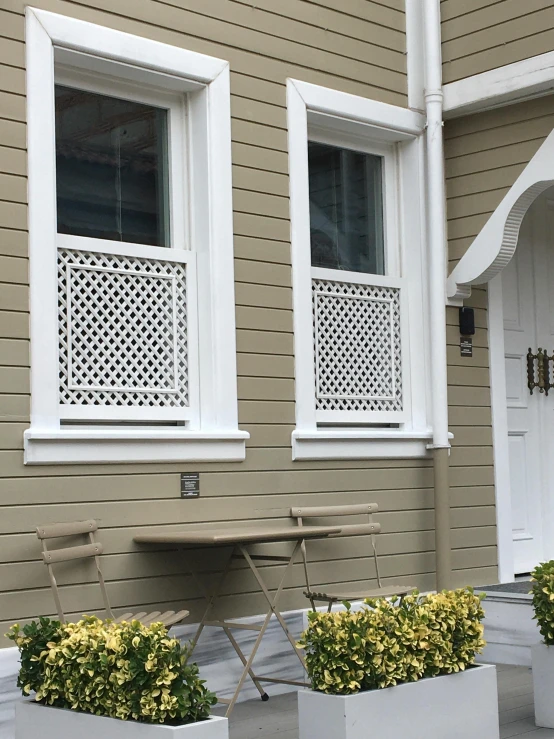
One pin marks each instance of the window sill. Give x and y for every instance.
(103, 446)
(360, 444)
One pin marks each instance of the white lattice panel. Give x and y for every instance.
(122, 331)
(358, 363)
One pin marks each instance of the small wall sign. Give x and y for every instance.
(190, 484)
(466, 346)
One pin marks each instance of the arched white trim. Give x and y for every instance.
(495, 245)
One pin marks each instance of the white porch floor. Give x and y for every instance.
(278, 719)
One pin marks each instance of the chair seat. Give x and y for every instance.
(350, 595)
(168, 618)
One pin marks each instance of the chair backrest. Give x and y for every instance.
(67, 553)
(360, 529)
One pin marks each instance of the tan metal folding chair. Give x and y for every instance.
(371, 528)
(85, 551)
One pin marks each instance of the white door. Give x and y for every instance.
(527, 294)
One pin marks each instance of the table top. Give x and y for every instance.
(238, 535)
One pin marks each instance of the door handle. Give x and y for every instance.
(541, 376)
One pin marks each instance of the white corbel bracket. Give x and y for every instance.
(495, 245)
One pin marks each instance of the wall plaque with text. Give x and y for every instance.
(466, 346)
(190, 484)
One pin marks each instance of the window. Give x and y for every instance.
(112, 168)
(346, 209)
(124, 196)
(125, 316)
(358, 280)
(356, 316)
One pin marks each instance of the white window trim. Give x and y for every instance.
(507, 85)
(313, 106)
(67, 41)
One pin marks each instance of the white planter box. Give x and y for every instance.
(447, 707)
(35, 721)
(510, 630)
(542, 659)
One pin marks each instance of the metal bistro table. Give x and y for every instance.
(240, 540)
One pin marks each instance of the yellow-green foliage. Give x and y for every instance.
(386, 643)
(126, 670)
(542, 578)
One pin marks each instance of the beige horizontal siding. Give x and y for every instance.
(29, 574)
(376, 23)
(485, 154)
(479, 35)
(13, 135)
(126, 572)
(260, 44)
(470, 420)
(14, 270)
(357, 46)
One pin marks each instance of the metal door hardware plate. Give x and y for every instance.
(466, 346)
(538, 371)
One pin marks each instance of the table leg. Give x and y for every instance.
(240, 653)
(211, 598)
(248, 665)
(272, 601)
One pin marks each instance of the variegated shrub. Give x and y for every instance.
(386, 643)
(126, 670)
(542, 578)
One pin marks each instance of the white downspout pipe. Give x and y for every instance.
(436, 229)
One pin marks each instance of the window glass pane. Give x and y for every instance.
(111, 168)
(346, 209)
